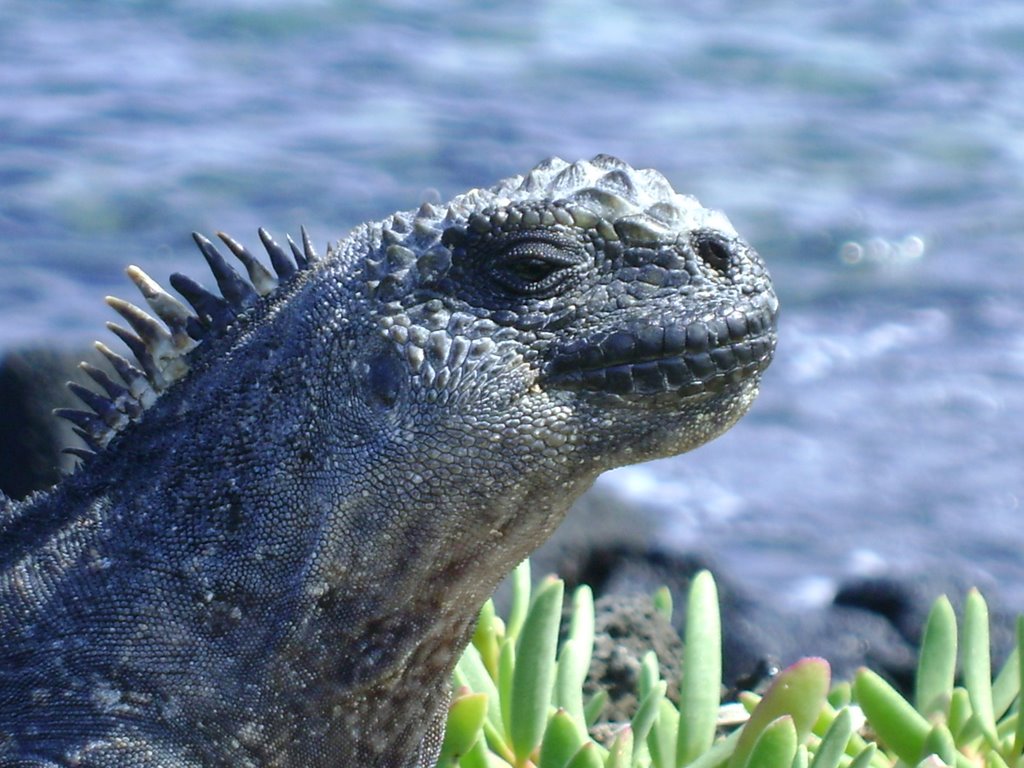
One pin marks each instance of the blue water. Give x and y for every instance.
(873, 152)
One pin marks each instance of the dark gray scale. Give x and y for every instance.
(142, 355)
(305, 256)
(238, 293)
(399, 225)
(174, 314)
(279, 259)
(103, 407)
(115, 392)
(87, 426)
(259, 276)
(130, 375)
(81, 453)
(212, 312)
(154, 335)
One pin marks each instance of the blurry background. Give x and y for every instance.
(873, 152)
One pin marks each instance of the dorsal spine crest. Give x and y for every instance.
(161, 345)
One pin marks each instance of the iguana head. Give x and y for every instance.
(585, 311)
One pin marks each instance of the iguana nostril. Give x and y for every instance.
(714, 252)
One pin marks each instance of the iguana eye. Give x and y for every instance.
(533, 267)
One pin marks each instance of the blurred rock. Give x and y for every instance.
(32, 384)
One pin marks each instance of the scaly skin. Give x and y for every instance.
(279, 549)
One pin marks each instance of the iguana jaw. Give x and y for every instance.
(695, 359)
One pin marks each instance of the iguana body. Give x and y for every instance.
(278, 551)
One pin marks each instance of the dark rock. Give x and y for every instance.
(626, 628)
(903, 604)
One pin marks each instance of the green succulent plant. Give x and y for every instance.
(518, 699)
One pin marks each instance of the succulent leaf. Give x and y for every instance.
(798, 691)
(569, 682)
(661, 740)
(865, 758)
(775, 745)
(562, 740)
(621, 753)
(1006, 686)
(897, 724)
(592, 709)
(520, 600)
(581, 627)
(471, 672)
(534, 671)
(960, 714)
(977, 664)
(700, 694)
(486, 638)
(465, 724)
(662, 599)
(506, 670)
(833, 744)
(646, 714)
(936, 666)
(939, 742)
(588, 756)
(1018, 741)
(649, 674)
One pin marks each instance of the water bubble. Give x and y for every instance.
(851, 252)
(882, 251)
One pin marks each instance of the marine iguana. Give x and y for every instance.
(300, 493)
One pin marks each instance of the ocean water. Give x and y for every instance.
(873, 152)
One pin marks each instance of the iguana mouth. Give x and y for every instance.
(699, 357)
